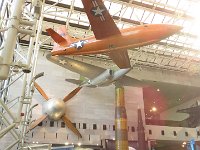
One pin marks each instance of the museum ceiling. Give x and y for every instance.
(179, 52)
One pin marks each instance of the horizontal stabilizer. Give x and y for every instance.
(57, 37)
(74, 81)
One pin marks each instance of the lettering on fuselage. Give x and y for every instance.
(78, 45)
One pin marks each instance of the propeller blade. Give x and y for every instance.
(41, 91)
(34, 124)
(71, 126)
(72, 94)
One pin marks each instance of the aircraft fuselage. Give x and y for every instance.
(107, 77)
(133, 37)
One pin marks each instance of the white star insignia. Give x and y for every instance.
(98, 11)
(79, 44)
(62, 62)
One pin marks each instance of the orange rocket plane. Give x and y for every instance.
(108, 39)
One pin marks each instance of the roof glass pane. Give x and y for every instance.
(137, 14)
(158, 18)
(78, 3)
(148, 16)
(115, 9)
(127, 12)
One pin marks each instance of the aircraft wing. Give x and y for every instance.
(90, 71)
(120, 58)
(101, 22)
(103, 26)
(87, 70)
(191, 110)
(129, 81)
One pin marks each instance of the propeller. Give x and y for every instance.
(41, 91)
(71, 126)
(64, 118)
(35, 123)
(72, 94)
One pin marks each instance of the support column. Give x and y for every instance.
(31, 61)
(141, 133)
(7, 53)
(121, 134)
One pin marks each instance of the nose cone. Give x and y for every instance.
(167, 30)
(173, 28)
(54, 108)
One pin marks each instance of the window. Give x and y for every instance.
(113, 127)
(175, 134)
(94, 126)
(79, 125)
(104, 127)
(133, 129)
(51, 123)
(186, 133)
(40, 124)
(84, 126)
(74, 124)
(62, 125)
(150, 132)
(198, 133)
(162, 132)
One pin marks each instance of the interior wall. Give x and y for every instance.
(90, 106)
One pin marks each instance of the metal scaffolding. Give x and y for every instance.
(19, 18)
(174, 53)
(22, 35)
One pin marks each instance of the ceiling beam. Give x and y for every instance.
(154, 7)
(135, 22)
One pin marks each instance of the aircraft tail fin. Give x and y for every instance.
(60, 37)
(74, 81)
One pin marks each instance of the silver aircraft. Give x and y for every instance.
(95, 76)
(104, 79)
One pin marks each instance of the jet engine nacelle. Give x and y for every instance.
(103, 77)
